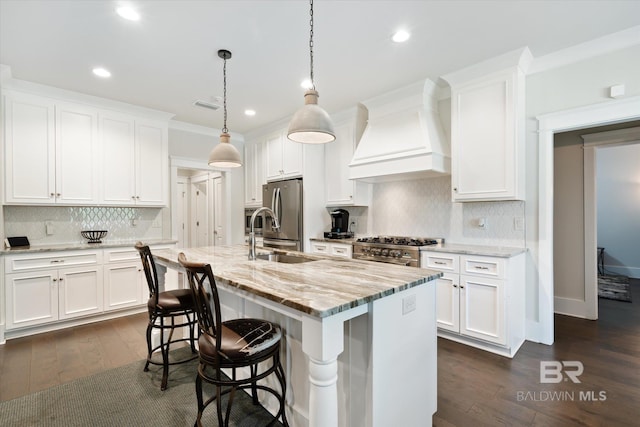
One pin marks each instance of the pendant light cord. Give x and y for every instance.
(224, 93)
(313, 85)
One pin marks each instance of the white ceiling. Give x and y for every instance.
(169, 59)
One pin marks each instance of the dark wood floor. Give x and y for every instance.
(475, 388)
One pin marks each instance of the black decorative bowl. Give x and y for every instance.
(94, 236)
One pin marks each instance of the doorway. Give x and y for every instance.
(575, 214)
(616, 111)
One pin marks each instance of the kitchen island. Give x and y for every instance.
(384, 314)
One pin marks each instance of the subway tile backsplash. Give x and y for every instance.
(67, 221)
(423, 208)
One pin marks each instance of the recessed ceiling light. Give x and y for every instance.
(306, 84)
(400, 36)
(101, 72)
(128, 13)
(250, 112)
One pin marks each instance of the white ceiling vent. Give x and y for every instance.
(206, 104)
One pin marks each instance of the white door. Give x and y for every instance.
(122, 284)
(482, 308)
(77, 168)
(218, 220)
(30, 149)
(80, 291)
(199, 214)
(25, 310)
(118, 159)
(182, 213)
(448, 302)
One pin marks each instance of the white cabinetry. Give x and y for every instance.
(134, 155)
(487, 129)
(343, 250)
(284, 157)
(342, 191)
(254, 173)
(51, 151)
(42, 288)
(480, 299)
(123, 279)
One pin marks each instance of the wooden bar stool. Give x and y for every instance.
(166, 305)
(233, 344)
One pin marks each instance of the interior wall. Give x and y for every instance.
(618, 204)
(569, 87)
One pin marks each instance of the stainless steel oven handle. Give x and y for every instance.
(405, 263)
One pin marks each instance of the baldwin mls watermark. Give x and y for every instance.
(556, 372)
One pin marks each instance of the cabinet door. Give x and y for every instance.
(151, 164)
(80, 291)
(118, 159)
(484, 140)
(253, 172)
(77, 170)
(30, 149)
(32, 298)
(448, 302)
(122, 283)
(482, 308)
(320, 248)
(338, 154)
(291, 158)
(273, 150)
(341, 250)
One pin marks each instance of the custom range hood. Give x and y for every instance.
(403, 138)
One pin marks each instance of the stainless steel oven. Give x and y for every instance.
(257, 226)
(392, 250)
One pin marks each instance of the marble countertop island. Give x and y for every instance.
(321, 288)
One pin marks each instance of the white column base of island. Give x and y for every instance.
(391, 333)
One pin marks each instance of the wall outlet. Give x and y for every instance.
(482, 223)
(134, 222)
(353, 226)
(518, 223)
(48, 227)
(408, 304)
(157, 223)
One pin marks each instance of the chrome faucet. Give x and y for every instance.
(252, 235)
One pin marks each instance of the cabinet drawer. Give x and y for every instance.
(441, 261)
(129, 253)
(27, 262)
(341, 250)
(483, 266)
(320, 248)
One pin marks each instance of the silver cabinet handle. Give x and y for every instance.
(440, 263)
(481, 268)
(55, 261)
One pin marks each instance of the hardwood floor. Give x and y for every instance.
(475, 388)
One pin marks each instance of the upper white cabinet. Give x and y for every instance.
(51, 151)
(59, 152)
(254, 173)
(134, 152)
(284, 157)
(487, 129)
(342, 191)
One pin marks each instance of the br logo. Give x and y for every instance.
(554, 371)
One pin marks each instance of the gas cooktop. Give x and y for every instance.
(401, 241)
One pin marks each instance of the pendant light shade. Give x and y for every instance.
(225, 155)
(311, 124)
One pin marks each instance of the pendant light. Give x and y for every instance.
(225, 155)
(311, 124)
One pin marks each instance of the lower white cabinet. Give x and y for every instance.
(124, 282)
(56, 286)
(344, 250)
(480, 299)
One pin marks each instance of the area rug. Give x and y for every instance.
(614, 287)
(125, 396)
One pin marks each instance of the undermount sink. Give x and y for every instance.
(285, 259)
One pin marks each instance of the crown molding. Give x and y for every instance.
(201, 130)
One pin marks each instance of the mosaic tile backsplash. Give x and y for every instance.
(67, 222)
(423, 208)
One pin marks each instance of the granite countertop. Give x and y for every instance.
(459, 248)
(321, 288)
(74, 246)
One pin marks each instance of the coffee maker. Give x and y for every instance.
(339, 225)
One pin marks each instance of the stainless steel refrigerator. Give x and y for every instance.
(285, 200)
